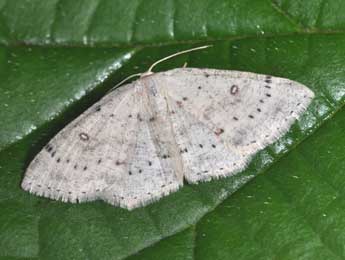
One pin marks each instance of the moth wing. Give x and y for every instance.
(227, 116)
(99, 156)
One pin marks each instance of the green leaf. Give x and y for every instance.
(58, 57)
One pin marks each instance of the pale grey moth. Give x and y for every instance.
(142, 140)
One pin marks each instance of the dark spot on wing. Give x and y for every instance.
(261, 101)
(84, 136)
(266, 86)
(199, 87)
(268, 95)
(251, 116)
(268, 79)
(49, 148)
(85, 168)
(179, 103)
(234, 90)
(152, 119)
(129, 173)
(201, 146)
(129, 116)
(258, 109)
(118, 163)
(213, 145)
(184, 98)
(99, 161)
(139, 117)
(219, 131)
(98, 108)
(235, 118)
(150, 163)
(58, 160)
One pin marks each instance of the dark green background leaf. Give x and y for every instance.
(58, 57)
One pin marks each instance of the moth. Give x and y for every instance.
(144, 139)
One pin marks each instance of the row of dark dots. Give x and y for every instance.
(49, 148)
(148, 193)
(268, 80)
(165, 156)
(58, 190)
(234, 90)
(100, 160)
(98, 190)
(140, 170)
(185, 150)
(138, 117)
(221, 169)
(58, 160)
(151, 119)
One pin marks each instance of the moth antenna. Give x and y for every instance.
(124, 80)
(149, 71)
